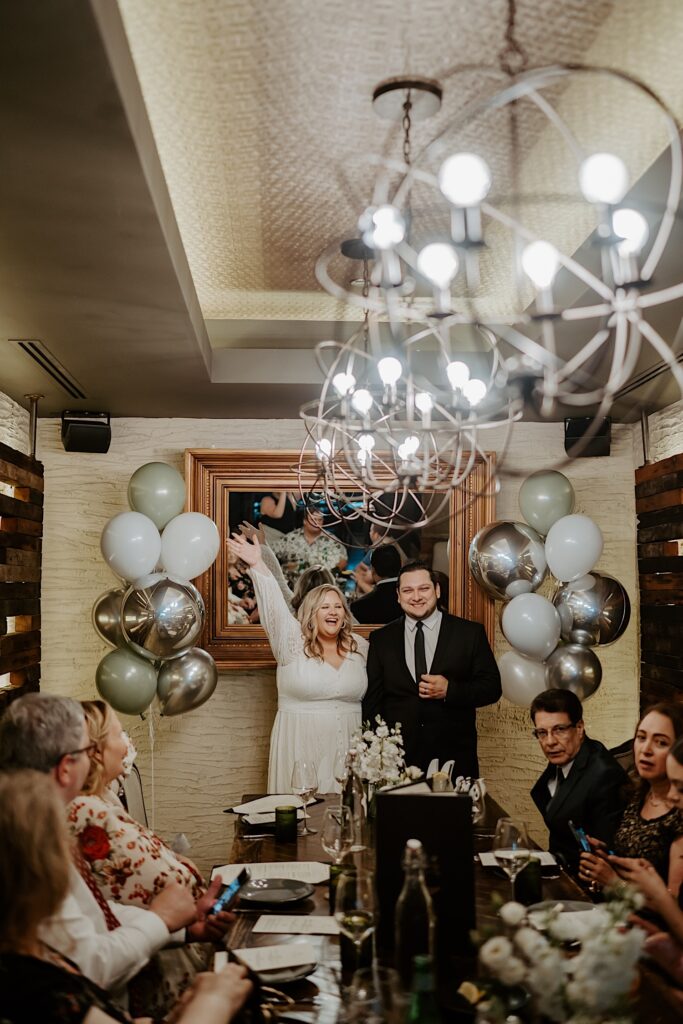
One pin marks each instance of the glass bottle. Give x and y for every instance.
(414, 917)
(423, 1008)
(353, 797)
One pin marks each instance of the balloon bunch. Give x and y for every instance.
(155, 620)
(552, 639)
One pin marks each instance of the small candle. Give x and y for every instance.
(285, 824)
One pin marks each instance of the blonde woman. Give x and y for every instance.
(36, 982)
(131, 864)
(321, 676)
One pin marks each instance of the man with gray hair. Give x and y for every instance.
(110, 942)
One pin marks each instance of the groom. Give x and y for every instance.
(430, 671)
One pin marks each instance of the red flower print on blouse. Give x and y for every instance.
(94, 843)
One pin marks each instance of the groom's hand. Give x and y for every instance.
(433, 687)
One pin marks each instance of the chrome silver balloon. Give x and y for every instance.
(106, 617)
(508, 559)
(162, 617)
(593, 610)
(187, 682)
(573, 667)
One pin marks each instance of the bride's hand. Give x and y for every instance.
(249, 551)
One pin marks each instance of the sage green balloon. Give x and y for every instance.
(158, 491)
(126, 681)
(544, 498)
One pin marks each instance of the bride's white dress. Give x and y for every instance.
(319, 707)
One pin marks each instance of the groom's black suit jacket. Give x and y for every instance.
(592, 796)
(443, 729)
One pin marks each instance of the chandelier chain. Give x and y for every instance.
(406, 125)
(513, 58)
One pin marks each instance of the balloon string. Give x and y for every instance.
(150, 724)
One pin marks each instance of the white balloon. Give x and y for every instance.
(532, 625)
(522, 678)
(572, 547)
(189, 545)
(131, 545)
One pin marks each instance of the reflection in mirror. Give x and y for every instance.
(308, 543)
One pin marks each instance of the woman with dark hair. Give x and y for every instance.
(36, 982)
(652, 826)
(321, 674)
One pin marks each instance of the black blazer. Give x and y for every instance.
(593, 796)
(379, 605)
(434, 728)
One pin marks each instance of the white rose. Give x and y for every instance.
(495, 952)
(531, 943)
(512, 972)
(512, 913)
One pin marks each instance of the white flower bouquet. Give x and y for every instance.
(380, 755)
(528, 965)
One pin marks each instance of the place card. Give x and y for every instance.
(296, 924)
(488, 860)
(298, 870)
(270, 958)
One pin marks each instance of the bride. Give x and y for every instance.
(321, 676)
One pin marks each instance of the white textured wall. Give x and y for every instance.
(204, 761)
(666, 432)
(14, 422)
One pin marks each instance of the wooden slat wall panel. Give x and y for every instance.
(21, 531)
(659, 505)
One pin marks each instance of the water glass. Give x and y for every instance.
(337, 833)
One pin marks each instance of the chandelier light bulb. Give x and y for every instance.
(458, 374)
(409, 447)
(343, 382)
(424, 401)
(438, 262)
(632, 227)
(603, 178)
(474, 390)
(540, 261)
(383, 227)
(366, 442)
(323, 448)
(362, 401)
(390, 370)
(465, 179)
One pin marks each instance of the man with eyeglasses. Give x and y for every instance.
(110, 942)
(583, 783)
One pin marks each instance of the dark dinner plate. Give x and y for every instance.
(275, 890)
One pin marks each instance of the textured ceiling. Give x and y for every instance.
(261, 111)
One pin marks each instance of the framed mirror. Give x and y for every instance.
(263, 488)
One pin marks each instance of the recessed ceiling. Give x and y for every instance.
(172, 170)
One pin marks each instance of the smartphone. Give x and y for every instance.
(581, 837)
(229, 893)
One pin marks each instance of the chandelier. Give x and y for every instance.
(464, 300)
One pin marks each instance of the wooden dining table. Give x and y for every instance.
(317, 998)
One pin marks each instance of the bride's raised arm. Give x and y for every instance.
(283, 629)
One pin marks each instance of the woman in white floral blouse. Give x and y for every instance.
(130, 863)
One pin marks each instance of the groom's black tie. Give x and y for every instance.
(420, 656)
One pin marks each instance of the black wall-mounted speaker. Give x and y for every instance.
(86, 431)
(575, 443)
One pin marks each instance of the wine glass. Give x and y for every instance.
(377, 995)
(337, 835)
(511, 847)
(355, 907)
(304, 784)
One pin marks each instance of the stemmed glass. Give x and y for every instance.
(304, 784)
(337, 834)
(511, 847)
(339, 770)
(355, 907)
(377, 995)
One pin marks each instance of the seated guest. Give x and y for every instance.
(381, 603)
(37, 982)
(130, 863)
(652, 825)
(110, 943)
(583, 783)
